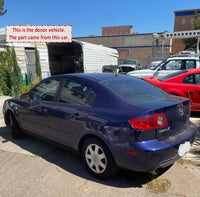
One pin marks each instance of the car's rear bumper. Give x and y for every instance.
(148, 156)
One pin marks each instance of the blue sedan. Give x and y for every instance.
(111, 120)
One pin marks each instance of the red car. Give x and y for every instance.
(185, 83)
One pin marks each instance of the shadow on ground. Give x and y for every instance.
(195, 117)
(69, 161)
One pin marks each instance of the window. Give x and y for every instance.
(192, 21)
(173, 65)
(190, 64)
(197, 76)
(45, 91)
(172, 75)
(132, 90)
(183, 21)
(189, 79)
(75, 93)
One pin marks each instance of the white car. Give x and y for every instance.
(168, 66)
(129, 65)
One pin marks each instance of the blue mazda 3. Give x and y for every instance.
(113, 121)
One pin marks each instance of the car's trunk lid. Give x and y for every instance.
(176, 110)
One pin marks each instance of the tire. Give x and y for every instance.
(15, 128)
(98, 159)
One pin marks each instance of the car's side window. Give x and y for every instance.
(75, 93)
(45, 91)
(189, 79)
(190, 64)
(197, 79)
(173, 65)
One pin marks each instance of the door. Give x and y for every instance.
(30, 63)
(168, 68)
(69, 118)
(192, 88)
(34, 116)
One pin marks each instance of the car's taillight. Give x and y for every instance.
(149, 122)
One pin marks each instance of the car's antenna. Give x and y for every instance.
(116, 72)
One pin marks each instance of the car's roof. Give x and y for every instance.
(182, 58)
(93, 76)
(129, 59)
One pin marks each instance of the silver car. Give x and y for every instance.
(168, 66)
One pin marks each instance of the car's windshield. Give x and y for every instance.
(158, 65)
(129, 62)
(134, 90)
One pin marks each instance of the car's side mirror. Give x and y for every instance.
(161, 68)
(25, 96)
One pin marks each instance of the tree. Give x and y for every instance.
(197, 20)
(2, 11)
(10, 73)
(5, 72)
(192, 42)
(16, 74)
(37, 64)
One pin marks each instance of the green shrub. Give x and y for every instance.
(26, 88)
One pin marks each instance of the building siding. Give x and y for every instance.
(132, 46)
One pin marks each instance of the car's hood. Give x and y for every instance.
(128, 65)
(141, 73)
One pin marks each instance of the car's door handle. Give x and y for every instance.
(75, 116)
(43, 110)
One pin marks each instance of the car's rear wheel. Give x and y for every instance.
(98, 159)
(15, 128)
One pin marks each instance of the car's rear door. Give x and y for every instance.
(69, 117)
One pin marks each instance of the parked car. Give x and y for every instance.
(185, 83)
(110, 68)
(168, 66)
(129, 65)
(111, 120)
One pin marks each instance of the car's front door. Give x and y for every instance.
(192, 88)
(34, 117)
(168, 68)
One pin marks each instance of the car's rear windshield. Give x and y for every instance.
(172, 75)
(134, 90)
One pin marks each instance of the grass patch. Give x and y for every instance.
(159, 185)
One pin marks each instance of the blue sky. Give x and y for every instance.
(88, 16)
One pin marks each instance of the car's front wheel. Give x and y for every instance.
(98, 159)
